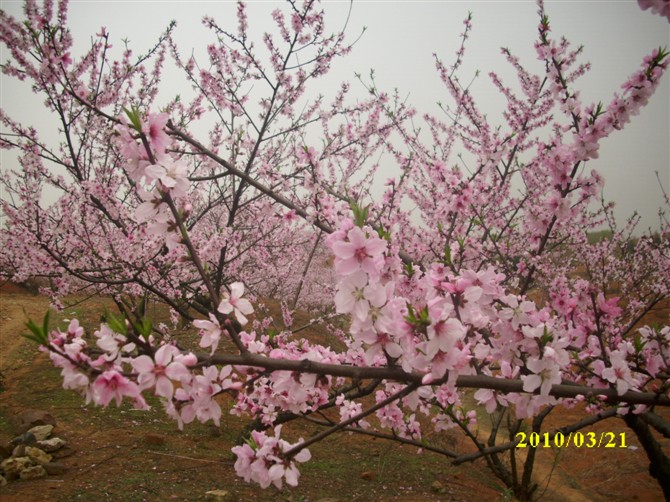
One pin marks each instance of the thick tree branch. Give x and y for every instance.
(399, 375)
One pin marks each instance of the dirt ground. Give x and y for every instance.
(126, 455)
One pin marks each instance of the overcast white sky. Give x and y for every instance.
(399, 43)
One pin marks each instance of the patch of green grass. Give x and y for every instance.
(133, 486)
(595, 237)
(5, 423)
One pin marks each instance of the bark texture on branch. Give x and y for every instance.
(399, 375)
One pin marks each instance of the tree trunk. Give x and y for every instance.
(659, 464)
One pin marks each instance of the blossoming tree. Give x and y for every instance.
(487, 282)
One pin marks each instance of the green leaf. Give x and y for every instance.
(142, 306)
(134, 117)
(418, 318)
(447, 254)
(250, 441)
(360, 214)
(116, 324)
(34, 338)
(384, 234)
(409, 269)
(424, 317)
(40, 334)
(638, 343)
(143, 328)
(410, 317)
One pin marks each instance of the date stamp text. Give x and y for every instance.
(574, 439)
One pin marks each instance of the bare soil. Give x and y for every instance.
(126, 455)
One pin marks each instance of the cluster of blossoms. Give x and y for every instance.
(442, 325)
(433, 323)
(158, 174)
(263, 460)
(231, 304)
(122, 371)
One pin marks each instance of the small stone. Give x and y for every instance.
(49, 445)
(154, 439)
(37, 456)
(3, 481)
(368, 475)
(42, 432)
(220, 496)
(30, 418)
(27, 438)
(12, 467)
(55, 468)
(34, 472)
(19, 451)
(437, 487)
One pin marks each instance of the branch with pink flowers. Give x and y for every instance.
(408, 285)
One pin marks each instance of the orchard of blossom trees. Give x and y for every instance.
(475, 281)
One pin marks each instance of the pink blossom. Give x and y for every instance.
(517, 313)
(608, 307)
(490, 399)
(443, 334)
(545, 374)
(152, 206)
(112, 385)
(356, 296)
(198, 395)
(359, 253)
(210, 332)
(261, 460)
(379, 342)
(618, 373)
(155, 131)
(114, 344)
(660, 7)
(160, 371)
(172, 174)
(234, 303)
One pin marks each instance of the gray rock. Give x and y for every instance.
(12, 467)
(34, 472)
(37, 456)
(30, 418)
(42, 432)
(49, 445)
(27, 438)
(19, 451)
